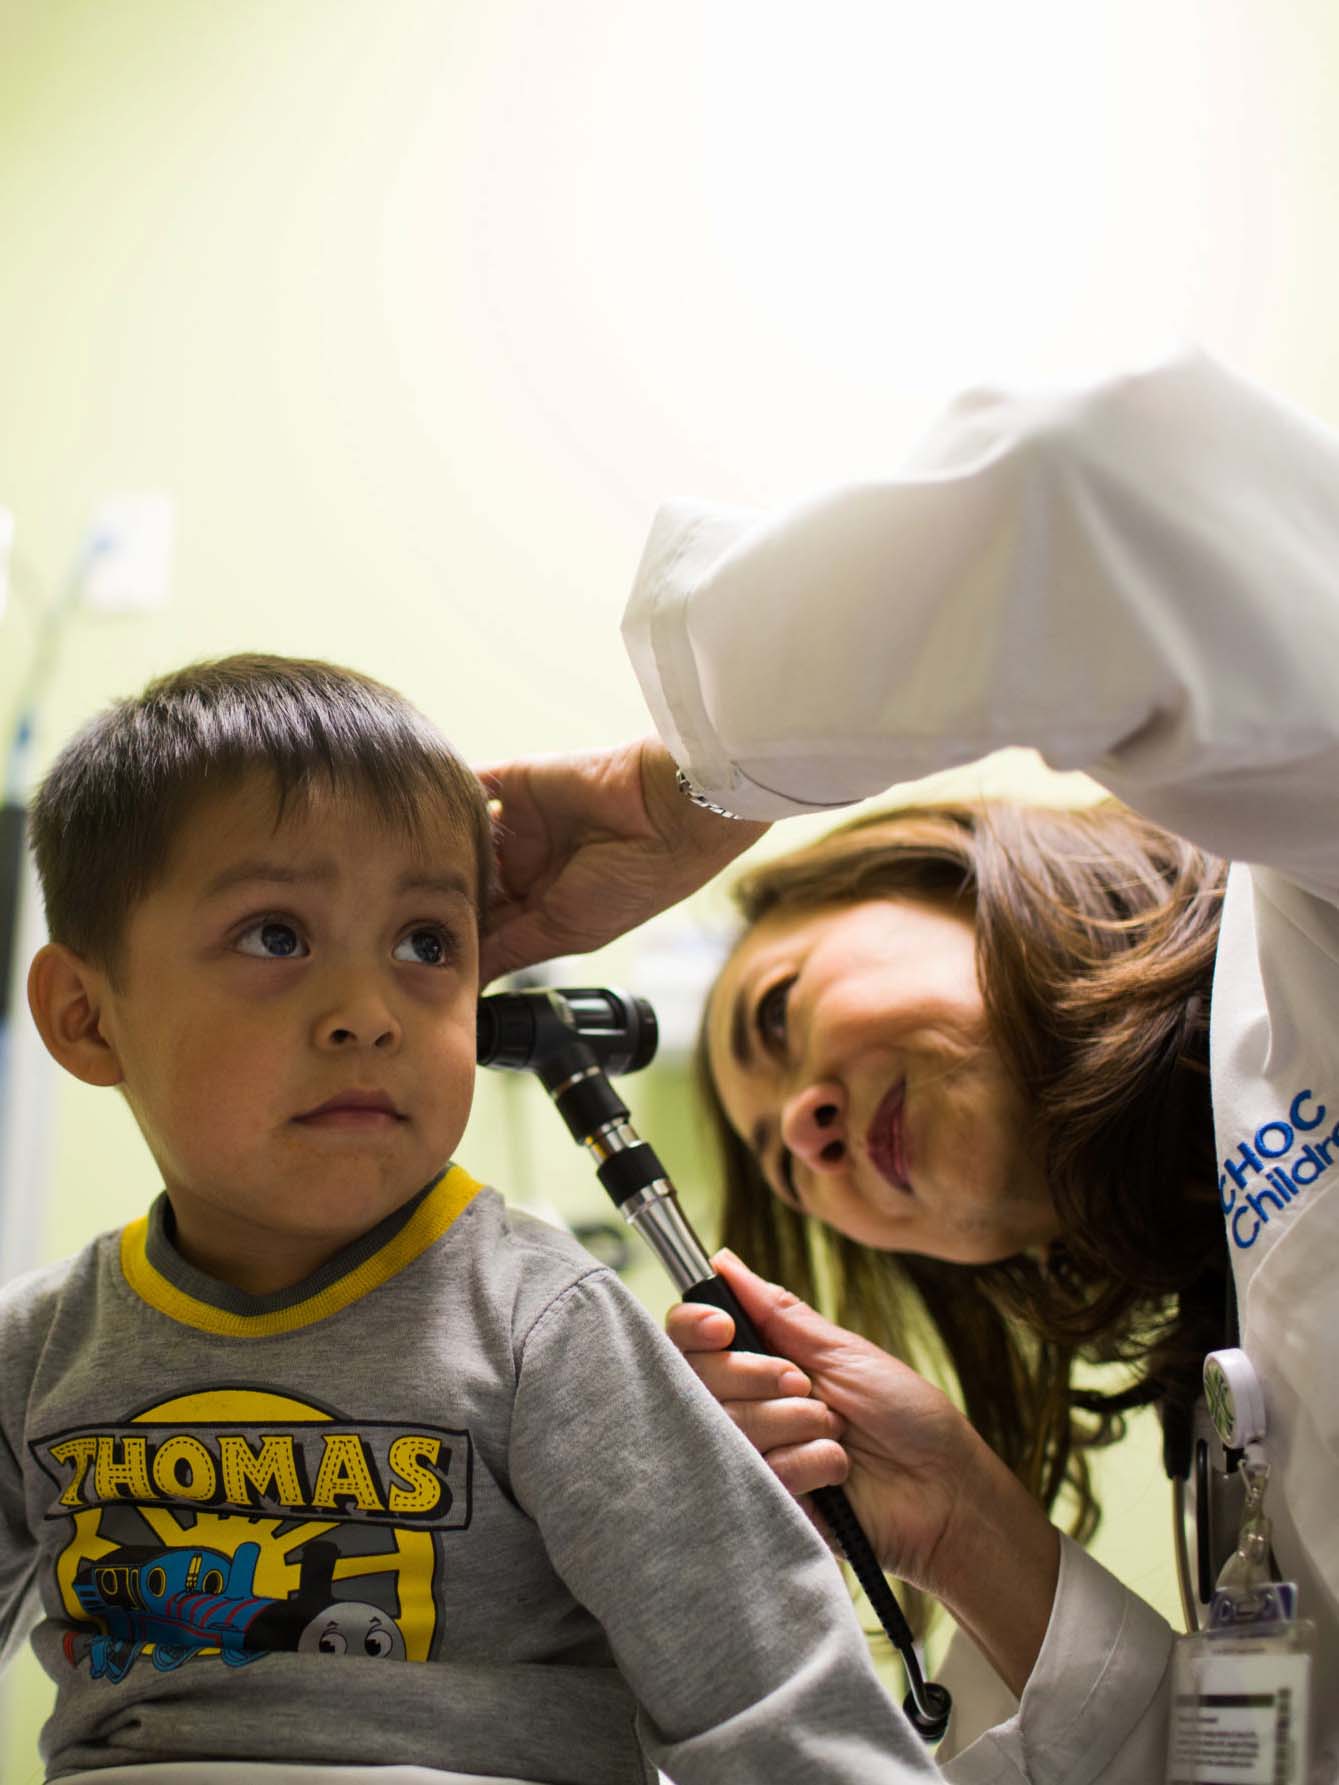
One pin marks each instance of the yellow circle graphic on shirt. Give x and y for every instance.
(191, 1436)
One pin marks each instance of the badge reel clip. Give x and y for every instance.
(1241, 1686)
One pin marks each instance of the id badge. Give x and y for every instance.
(1241, 1707)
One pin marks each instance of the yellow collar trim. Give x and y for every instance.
(429, 1221)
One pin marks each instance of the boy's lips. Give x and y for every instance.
(885, 1142)
(353, 1109)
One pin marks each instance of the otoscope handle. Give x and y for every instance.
(717, 1293)
(571, 1039)
(927, 1704)
(830, 1501)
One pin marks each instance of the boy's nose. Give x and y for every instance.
(813, 1127)
(359, 1020)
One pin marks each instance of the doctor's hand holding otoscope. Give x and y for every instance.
(571, 1040)
(588, 847)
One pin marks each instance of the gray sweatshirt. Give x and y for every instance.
(239, 1520)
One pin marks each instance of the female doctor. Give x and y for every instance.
(1139, 579)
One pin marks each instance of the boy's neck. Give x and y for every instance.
(256, 1261)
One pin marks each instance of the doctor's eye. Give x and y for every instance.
(272, 939)
(770, 1017)
(426, 945)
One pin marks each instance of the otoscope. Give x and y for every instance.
(570, 1039)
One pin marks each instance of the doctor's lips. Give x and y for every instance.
(353, 1109)
(885, 1142)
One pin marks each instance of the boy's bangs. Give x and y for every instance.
(315, 729)
(407, 780)
(104, 821)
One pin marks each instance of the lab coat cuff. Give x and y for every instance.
(1094, 1708)
(685, 543)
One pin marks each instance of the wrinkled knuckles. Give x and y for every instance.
(802, 1468)
(772, 1425)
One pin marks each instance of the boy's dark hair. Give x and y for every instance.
(103, 821)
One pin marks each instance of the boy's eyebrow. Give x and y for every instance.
(284, 874)
(447, 882)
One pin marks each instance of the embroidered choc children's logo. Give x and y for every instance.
(238, 1521)
(1264, 1175)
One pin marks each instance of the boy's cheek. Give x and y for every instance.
(223, 1083)
(455, 1085)
(451, 1087)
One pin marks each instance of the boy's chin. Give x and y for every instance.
(337, 1197)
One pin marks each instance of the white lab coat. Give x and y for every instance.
(1138, 578)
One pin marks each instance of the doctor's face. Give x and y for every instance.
(850, 1050)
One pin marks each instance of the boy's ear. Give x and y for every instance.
(65, 995)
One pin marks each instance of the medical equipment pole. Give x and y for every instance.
(570, 1039)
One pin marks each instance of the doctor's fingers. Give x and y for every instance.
(746, 1375)
(693, 1326)
(704, 1334)
(782, 1426)
(800, 1468)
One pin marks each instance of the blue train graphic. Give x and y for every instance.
(180, 1601)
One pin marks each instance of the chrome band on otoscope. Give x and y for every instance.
(654, 1211)
(596, 1071)
(656, 1215)
(613, 1137)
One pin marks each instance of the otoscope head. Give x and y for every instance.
(520, 1031)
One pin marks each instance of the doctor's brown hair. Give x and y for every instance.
(1095, 941)
(103, 822)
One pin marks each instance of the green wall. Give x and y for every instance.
(417, 308)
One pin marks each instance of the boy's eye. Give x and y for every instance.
(427, 946)
(271, 940)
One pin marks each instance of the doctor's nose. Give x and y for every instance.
(358, 1017)
(813, 1127)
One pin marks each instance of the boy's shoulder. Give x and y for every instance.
(35, 1313)
(529, 1247)
(30, 1299)
(523, 1263)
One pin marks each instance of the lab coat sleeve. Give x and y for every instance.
(1095, 1708)
(1138, 578)
(724, 1610)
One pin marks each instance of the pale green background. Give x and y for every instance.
(418, 307)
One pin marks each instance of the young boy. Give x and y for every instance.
(331, 1462)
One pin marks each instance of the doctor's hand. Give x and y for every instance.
(591, 845)
(941, 1510)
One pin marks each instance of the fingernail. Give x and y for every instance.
(717, 1326)
(794, 1382)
